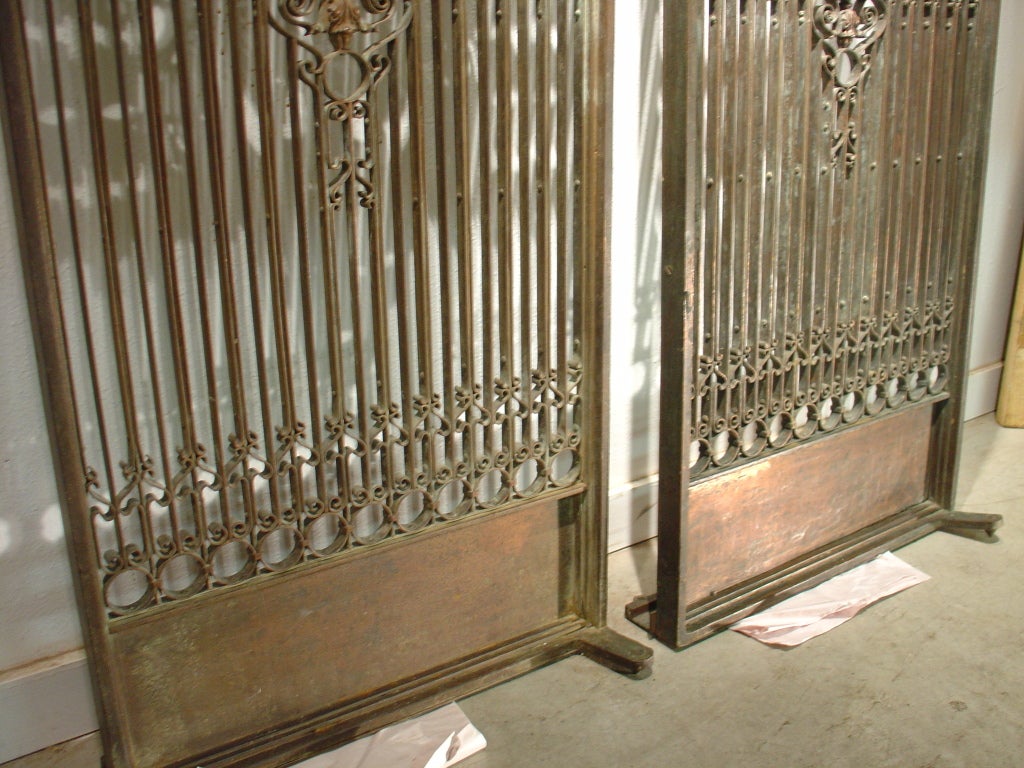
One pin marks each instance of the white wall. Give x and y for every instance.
(636, 258)
(42, 702)
(37, 604)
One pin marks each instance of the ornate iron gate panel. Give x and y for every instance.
(318, 290)
(824, 162)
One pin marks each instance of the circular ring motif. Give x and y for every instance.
(128, 591)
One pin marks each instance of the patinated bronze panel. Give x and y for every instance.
(318, 290)
(823, 165)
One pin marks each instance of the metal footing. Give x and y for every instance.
(721, 611)
(969, 522)
(615, 651)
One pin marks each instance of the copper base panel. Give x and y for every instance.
(774, 527)
(339, 650)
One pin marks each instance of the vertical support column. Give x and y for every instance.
(684, 26)
(597, 36)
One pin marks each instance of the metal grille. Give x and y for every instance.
(837, 157)
(318, 267)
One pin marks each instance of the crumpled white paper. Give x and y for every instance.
(816, 611)
(437, 739)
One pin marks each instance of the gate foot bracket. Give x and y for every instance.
(615, 651)
(962, 522)
(640, 611)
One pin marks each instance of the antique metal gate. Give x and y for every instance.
(822, 178)
(318, 293)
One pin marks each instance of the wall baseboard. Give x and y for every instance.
(45, 703)
(82, 752)
(632, 513)
(982, 390)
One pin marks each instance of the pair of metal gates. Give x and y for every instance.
(318, 289)
(823, 168)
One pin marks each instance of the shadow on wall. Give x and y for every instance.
(645, 353)
(647, 337)
(38, 612)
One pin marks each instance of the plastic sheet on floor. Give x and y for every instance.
(831, 603)
(436, 740)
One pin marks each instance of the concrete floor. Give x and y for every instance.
(933, 677)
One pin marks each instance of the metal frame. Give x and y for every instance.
(141, 667)
(754, 476)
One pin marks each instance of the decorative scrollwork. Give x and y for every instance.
(748, 401)
(317, 353)
(848, 30)
(343, 75)
(350, 490)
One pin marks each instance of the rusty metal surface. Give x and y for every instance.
(289, 647)
(319, 299)
(775, 510)
(835, 149)
(318, 289)
(823, 170)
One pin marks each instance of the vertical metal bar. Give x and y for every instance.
(421, 236)
(891, 293)
(944, 84)
(275, 261)
(83, 295)
(732, 210)
(751, 188)
(701, 351)
(309, 332)
(847, 261)
(506, 159)
(597, 39)
(917, 287)
(684, 25)
(714, 281)
(811, 172)
(575, 212)
(134, 458)
(369, 201)
(145, 510)
(800, 317)
(545, 12)
(565, 182)
(198, 249)
(949, 235)
(768, 139)
(779, 252)
(351, 249)
(485, 64)
(225, 261)
(464, 190)
(407, 365)
(872, 250)
(825, 296)
(331, 284)
(444, 240)
(902, 262)
(363, 200)
(171, 281)
(527, 137)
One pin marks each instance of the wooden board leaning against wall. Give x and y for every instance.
(1010, 412)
